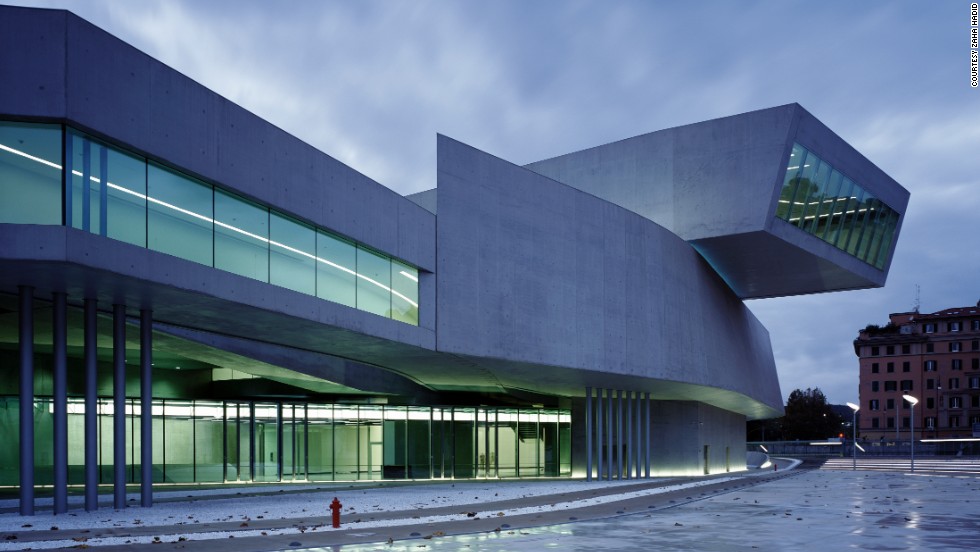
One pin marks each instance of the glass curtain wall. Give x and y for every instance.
(113, 193)
(30, 173)
(201, 441)
(820, 200)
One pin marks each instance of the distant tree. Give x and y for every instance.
(808, 416)
(765, 430)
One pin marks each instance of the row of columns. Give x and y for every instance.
(60, 400)
(612, 451)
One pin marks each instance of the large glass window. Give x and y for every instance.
(86, 197)
(178, 435)
(336, 270)
(320, 442)
(404, 293)
(820, 200)
(292, 254)
(205, 441)
(241, 236)
(180, 215)
(790, 183)
(106, 190)
(373, 282)
(30, 173)
(265, 451)
(208, 441)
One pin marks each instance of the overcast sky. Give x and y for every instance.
(371, 83)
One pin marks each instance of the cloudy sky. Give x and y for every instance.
(371, 83)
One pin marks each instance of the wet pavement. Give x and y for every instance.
(802, 509)
(815, 510)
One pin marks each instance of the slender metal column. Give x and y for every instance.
(648, 435)
(629, 434)
(26, 341)
(638, 448)
(59, 342)
(280, 427)
(251, 441)
(598, 433)
(609, 433)
(91, 407)
(119, 406)
(619, 434)
(588, 434)
(146, 408)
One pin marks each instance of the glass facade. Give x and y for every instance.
(818, 199)
(113, 193)
(30, 173)
(106, 190)
(207, 441)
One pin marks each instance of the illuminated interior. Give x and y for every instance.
(820, 200)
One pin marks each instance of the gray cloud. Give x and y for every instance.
(371, 83)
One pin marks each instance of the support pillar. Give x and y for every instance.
(629, 434)
(588, 434)
(280, 427)
(119, 406)
(91, 407)
(146, 408)
(649, 435)
(609, 437)
(251, 441)
(619, 434)
(26, 340)
(598, 433)
(638, 448)
(59, 342)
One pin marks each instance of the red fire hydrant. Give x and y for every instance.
(336, 506)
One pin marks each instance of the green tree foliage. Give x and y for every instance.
(808, 416)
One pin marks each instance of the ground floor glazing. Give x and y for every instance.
(200, 441)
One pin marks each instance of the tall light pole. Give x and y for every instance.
(854, 434)
(912, 402)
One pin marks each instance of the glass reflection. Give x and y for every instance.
(30, 173)
(241, 236)
(180, 216)
(291, 254)
(112, 193)
(199, 441)
(821, 201)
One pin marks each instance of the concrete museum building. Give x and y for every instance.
(189, 294)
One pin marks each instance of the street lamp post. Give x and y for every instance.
(854, 434)
(912, 402)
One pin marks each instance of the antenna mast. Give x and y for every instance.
(915, 306)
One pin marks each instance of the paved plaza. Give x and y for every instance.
(884, 507)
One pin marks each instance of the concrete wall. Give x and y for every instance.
(698, 181)
(716, 184)
(532, 270)
(681, 431)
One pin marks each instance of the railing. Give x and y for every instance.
(885, 447)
